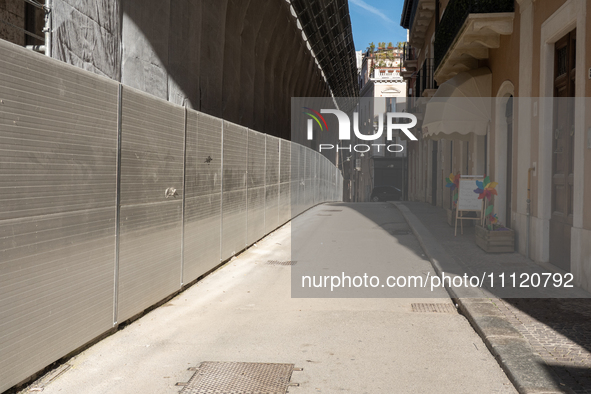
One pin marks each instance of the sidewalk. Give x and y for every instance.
(543, 344)
(244, 312)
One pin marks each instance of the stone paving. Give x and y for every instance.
(558, 329)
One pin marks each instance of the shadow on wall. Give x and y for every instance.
(241, 60)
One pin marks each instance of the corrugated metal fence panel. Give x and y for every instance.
(338, 185)
(315, 197)
(256, 186)
(337, 193)
(58, 193)
(311, 156)
(325, 181)
(152, 160)
(272, 184)
(256, 159)
(203, 193)
(327, 185)
(304, 174)
(234, 189)
(296, 178)
(321, 182)
(285, 179)
(305, 177)
(285, 161)
(58, 157)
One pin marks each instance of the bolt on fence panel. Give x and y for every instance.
(256, 186)
(234, 203)
(272, 184)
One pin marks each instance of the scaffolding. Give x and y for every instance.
(47, 27)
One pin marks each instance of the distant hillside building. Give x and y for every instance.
(382, 89)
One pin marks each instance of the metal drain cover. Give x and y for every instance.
(399, 232)
(439, 308)
(239, 378)
(276, 262)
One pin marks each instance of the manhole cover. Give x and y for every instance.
(332, 210)
(276, 262)
(239, 378)
(440, 308)
(399, 232)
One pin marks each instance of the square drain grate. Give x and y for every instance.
(239, 378)
(438, 308)
(276, 262)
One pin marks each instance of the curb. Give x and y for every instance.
(525, 369)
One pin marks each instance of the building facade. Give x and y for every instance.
(382, 89)
(528, 62)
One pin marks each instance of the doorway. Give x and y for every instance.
(451, 171)
(434, 174)
(561, 220)
(509, 117)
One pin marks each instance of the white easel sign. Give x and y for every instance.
(468, 201)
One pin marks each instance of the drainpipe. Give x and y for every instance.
(47, 29)
(529, 171)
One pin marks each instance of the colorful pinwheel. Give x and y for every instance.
(485, 189)
(493, 219)
(490, 217)
(453, 182)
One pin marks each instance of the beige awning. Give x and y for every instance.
(460, 107)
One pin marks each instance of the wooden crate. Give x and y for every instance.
(495, 241)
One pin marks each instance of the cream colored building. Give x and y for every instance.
(521, 55)
(382, 90)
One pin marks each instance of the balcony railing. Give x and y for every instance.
(386, 74)
(454, 17)
(425, 78)
(408, 52)
(408, 59)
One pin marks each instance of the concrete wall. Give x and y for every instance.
(88, 235)
(88, 35)
(241, 60)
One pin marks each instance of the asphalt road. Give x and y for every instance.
(362, 341)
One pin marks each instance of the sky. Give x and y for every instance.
(377, 21)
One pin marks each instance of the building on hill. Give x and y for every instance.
(382, 89)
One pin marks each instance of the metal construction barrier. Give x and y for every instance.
(111, 200)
